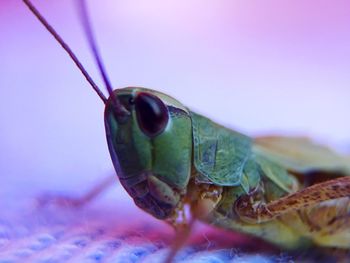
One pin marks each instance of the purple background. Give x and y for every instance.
(257, 66)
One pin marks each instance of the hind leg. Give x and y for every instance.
(330, 223)
(308, 197)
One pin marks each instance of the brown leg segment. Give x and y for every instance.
(307, 197)
(90, 195)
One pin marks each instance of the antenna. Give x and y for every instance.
(66, 48)
(118, 107)
(93, 46)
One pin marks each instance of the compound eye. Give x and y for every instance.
(152, 114)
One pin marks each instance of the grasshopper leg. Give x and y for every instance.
(201, 207)
(183, 233)
(307, 197)
(69, 201)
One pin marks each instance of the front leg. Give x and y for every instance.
(202, 200)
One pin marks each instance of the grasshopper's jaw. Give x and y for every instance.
(151, 148)
(152, 195)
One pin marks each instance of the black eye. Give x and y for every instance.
(152, 114)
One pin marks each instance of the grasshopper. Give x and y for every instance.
(288, 191)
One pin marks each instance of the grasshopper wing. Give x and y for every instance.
(220, 154)
(301, 155)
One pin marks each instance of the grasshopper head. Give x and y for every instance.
(151, 148)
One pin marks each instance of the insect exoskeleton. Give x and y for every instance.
(153, 146)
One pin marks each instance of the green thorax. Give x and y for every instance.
(228, 158)
(220, 155)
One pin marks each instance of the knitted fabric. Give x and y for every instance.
(106, 232)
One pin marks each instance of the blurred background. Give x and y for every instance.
(260, 67)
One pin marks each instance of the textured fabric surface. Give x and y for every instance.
(107, 232)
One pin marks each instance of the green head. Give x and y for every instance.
(151, 147)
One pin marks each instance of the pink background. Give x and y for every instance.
(257, 66)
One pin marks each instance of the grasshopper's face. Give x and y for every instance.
(151, 148)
